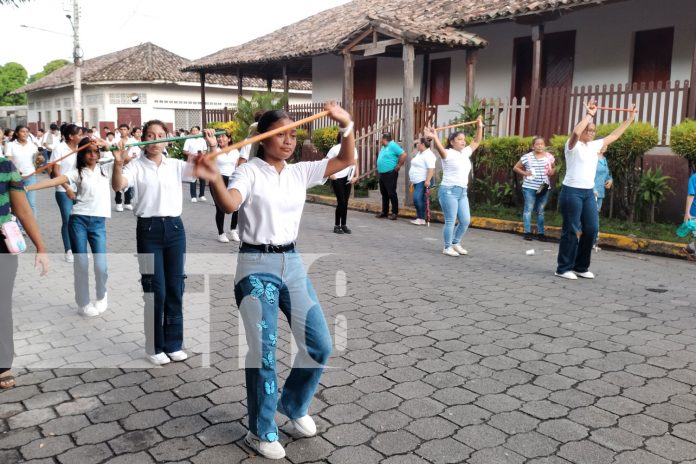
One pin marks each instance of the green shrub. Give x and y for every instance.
(324, 138)
(683, 141)
(244, 116)
(653, 189)
(231, 126)
(301, 137)
(176, 150)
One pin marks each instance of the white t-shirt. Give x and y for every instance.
(67, 164)
(456, 168)
(156, 189)
(134, 152)
(347, 172)
(228, 162)
(581, 164)
(272, 203)
(22, 156)
(53, 140)
(196, 145)
(421, 162)
(93, 191)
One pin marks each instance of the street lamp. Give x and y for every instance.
(77, 62)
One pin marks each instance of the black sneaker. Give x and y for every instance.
(346, 230)
(528, 236)
(541, 238)
(381, 215)
(393, 217)
(338, 230)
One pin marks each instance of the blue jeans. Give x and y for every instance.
(88, 230)
(455, 205)
(600, 200)
(580, 227)
(419, 193)
(31, 196)
(161, 244)
(534, 202)
(264, 284)
(65, 205)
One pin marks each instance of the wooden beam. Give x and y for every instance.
(691, 108)
(537, 39)
(425, 77)
(269, 83)
(356, 41)
(286, 86)
(407, 111)
(240, 80)
(378, 44)
(348, 65)
(204, 121)
(471, 60)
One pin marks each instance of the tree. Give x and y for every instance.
(48, 69)
(12, 77)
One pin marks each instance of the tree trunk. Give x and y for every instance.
(652, 212)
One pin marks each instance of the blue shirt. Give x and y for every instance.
(388, 157)
(692, 191)
(602, 175)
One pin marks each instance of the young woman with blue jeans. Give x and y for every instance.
(456, 166)
(270, 277)
(65, 197)
(577, 199)
(421, 175)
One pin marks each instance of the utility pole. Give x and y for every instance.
(77, 61)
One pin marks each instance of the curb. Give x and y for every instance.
(619, 242)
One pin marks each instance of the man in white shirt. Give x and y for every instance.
(123, 133)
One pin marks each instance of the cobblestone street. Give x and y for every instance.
(484, 359)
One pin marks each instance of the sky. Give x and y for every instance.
(191, 29)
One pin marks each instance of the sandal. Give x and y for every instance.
(7, 382)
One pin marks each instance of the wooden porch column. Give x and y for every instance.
(286, 86)
(425, 78)
(407, 128)
(269, 83)
(691, 108)
(537, 38)
(240, 87)
(471, 60)
(204, 121)
(348, 65)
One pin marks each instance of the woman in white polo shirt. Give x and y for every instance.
(25, 155)
(270, 195)
(456, 166)
(577, 200)
(421, 176)
(87, 223)
(65, 197)
(161, 241)
(227, 163)
(342, 183)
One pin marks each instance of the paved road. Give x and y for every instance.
(482, 359)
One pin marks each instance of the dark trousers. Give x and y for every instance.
(201, 188)
(161, 243)
(8, 272)
(220, 214)
(387, 187)
(128, 194)
(580, 227)
(341, 188)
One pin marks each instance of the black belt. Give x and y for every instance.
(269, 248)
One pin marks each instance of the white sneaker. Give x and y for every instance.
(235, 236)
(417, 222)
(570, 275)
(584, 275)
(119, 207)
(202, 199)
(128, 207)
(267, 449)
(596, 248)
(100, 305)
(304, 425)
(177, 355)
(450, 252)
(69, 258)
(158, 359)
(460, 249)
(88, 310)
(222, 238)
(194, 200)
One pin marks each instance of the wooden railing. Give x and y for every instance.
(222, 115)
(505, 116)
(367, 142)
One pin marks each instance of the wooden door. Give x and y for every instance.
(365, 92)
(652, 55)
(130, 116)
(558, 59)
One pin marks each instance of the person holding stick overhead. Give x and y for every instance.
(270, 195)
(161, 240)
(456, 166)
(577, 200)
(227, 163)
(65, 196)
(87, 223)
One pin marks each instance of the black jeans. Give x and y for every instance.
(341, 188)
(128, 194)
(201, 189)
(387, 187)
(8, 272)
(220, 214)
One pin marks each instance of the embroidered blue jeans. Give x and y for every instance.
(264, 284)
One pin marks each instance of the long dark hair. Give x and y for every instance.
(68, 130)
(265, 122)
(16, 132)
(80, 162)
(453, 136)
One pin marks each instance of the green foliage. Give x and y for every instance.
(683, 141)
(501, 153)
(48, 69)
(368, 183)
(469, 113)
(653, 189)
(324, 138)
(12, 77)
(230, 126)
(301, 135)
(495, 193)
(176, 150)
(246, 108)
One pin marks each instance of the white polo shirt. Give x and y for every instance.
(156, 189)
(22, 156)
(581, 164)
(456, 168)
(196, 145)
(67, 164)
(93, 190)
(421, 162)
(227, 162)
(272, 203)
(347, 172)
